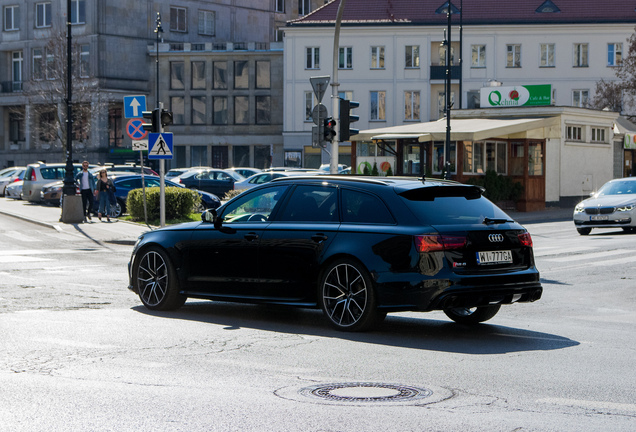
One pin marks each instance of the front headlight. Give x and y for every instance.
(580, 208)
(628, 207)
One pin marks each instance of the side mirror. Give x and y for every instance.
(211, 216)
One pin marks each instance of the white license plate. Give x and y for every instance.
(494, 257)
(599, 218)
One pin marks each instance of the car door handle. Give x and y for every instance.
(319, 238)
(251, 236)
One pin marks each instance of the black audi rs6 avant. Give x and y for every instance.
(356, 247)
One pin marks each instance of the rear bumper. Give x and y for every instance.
(484, 297)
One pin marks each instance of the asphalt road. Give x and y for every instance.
(79, 353)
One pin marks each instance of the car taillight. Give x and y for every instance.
(525, 239)
(33, 178)
(433, 243)
(16, 179)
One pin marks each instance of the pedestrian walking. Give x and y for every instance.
(86, 181)
(103, 190)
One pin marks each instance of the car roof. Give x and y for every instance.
(403, 183)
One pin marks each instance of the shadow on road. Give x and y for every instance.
(399, 331)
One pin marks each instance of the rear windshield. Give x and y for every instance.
(451, 206)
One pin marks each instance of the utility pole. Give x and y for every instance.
(448, 94)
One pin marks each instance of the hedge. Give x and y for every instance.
(180, 202)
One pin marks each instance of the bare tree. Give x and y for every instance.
(620, 95)
(46, 92)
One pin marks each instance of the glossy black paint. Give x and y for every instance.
(280, 261)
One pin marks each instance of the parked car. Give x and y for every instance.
(10, 175)
(129, 168)
(125, 183)
(355, 247)
(613, 206)
(267, 176)
(174, 172)
(14, 190)
(327, 168)
(245, 171)
(39, 174)
(216, 181)
(51, 193)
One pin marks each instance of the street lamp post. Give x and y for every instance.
(448, 93)
(69, 178)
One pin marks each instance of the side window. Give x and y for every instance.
(203, 175)
(151, 183)
(254, 207)
(312, 204)
(360, 207)
(130, 184)
(222, 176)
(48, 173)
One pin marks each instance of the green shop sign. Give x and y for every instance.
(504, 97)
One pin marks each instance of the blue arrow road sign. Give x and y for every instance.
(134, 106)
(160, 145)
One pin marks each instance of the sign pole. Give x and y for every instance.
(162, 180)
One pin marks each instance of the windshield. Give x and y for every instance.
(618, 188)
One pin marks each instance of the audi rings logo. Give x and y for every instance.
(496, 238)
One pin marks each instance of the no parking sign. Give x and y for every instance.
(135, 130)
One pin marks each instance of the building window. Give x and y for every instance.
(478, 56)
(310, 102)
(412, 56)
(115, 131)
(11, 18)
(38, 64)
(241, 110)
(411, 105)
(50, 65)
(280, 6)
(513, 56)
(198, 110)
(614, 54)
(304, 7)
(263, 110)
(177, 106)
(177, 71)
(206, 23)
(84, 61)
(16, 127)
(441, 104)
(178, 19)
(480, 157)
(81, 123)
(42, 15)
(598, 135)
(16, 70)
(241, 75)
(47, 126)
(219, 107)
(198, 75)
(547, 55)
(313, 58)
(199, 155)
(535, 159)
(574, 133)
(78, 12)
(279, 34)
(377, 57)
(580, 55)
(580, 98)
(442, 55)
(263, 75)
(345, 58)
(220, 75)
(378, 105)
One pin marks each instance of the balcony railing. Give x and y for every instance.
(439, 72)
(11, 86)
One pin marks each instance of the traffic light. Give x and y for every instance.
(329, 129)
(150, 121)
(166, 117)
(346, 119)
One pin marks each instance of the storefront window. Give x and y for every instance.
(516, 159)
(293, 159)
(366, 149)
(412, 161)
(439, 156)
(535, 159)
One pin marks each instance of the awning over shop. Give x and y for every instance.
(475, 129)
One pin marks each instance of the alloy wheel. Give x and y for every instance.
(152, 279)
(345, 295)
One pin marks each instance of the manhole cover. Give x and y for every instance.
(365, 393)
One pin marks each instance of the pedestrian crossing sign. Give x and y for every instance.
(160, 145)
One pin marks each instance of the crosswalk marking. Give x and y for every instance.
(555, 250)
(20, 237)
(588, 256)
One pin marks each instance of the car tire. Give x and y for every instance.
(117, 209)
(472, 316)
(584, 231)
(156, 280)
(347, 296)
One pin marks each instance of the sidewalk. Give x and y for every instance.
(117, 231)
(123, 232)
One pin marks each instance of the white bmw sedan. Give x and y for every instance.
(613, 206)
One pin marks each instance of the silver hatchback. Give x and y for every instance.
(39, 174)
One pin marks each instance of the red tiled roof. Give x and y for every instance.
(475, 12)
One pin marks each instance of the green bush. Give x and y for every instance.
(231, 194)
(374, 171)
(180, 202)
(389, 172)
(498, 187)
